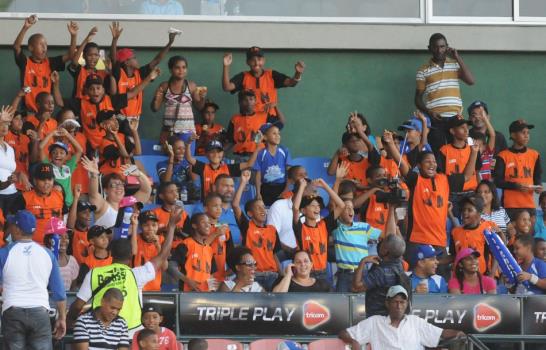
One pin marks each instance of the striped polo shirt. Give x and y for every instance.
(440, 86)
(89, 329)
(351, 243)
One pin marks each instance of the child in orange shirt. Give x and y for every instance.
(98, 253)
(21, 146)
(208, 130)
(79, 221)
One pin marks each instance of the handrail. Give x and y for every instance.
(475, 342)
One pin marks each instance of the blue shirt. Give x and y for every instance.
(538, 267)
(540, 229)
(351, 243)
(273, 167)
(181, 172)
(436, 283)
(227, 217)
(153, 7)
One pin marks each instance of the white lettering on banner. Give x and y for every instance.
(433, 316)
(540, 317)
(221, 313)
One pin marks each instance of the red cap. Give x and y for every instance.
(124, 54)
(55, 226)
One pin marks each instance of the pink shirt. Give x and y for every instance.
(167, 340)
(488, 284)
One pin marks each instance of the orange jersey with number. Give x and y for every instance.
(456, 160)
(261, 241)
(519, 168)
(198, 263)
(263, 87)
(210, 175)
(43, 208)
(82, 76)
(245, 129)
(314, 240)
(88, 115)
(125, 84)
(37, 76)
(473, 238)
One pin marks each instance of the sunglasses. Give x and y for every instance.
(248, 263)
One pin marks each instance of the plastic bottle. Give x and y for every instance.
(184, 194)
(124, 230)
(56, 245)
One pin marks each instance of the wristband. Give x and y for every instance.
(296, 79)
(533, 279)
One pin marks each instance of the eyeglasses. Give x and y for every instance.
(248, 263)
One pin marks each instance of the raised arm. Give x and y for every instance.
(470, 168)
(332, 167)
(299, 67)
(29, 22)
(187, 150)
(424, 134)
(284, 284)
(226, 84)
(45, 141)
(297, 201)
(133, 125)
(159, 260)
(55, 85)
(464, 73)
(339, 203)
(161, 54)
(145, 190)
(359, 285)
(236, 203)
(116, 31)
(93, 169)
(77, 53)
(17, 99)
(394, 153)
(199, 95)
(490, 132)
(73, 213)
(140, 87)
(78, 150)
(250, 162)
(133, 230)
(73, 30)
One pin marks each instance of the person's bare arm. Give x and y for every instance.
(464, 73)
(116, 31)
(55, 86)
(73, 30)
(161, 54)
(284, 284)
(332, 167)
(74, 311)
(470, 168)
(250, 162)
(490, 132)
(78, 150)
(424, 133)
(140, 87)
(297, 201)
(29, 22)
(60, 324)
(17, 99)
(133, 231)
(43, 144)
(339, 203)
(299, 69)
(452, 333)
(359, 285)
(394, 153)
(159, 96)
(145, 190)
(361, 199)
(80, 346)
(391, 228)
(199, 95)
(226, 84)
(158, 260)
(77, 53)
(258, 183)
(133, 125)
(187, 151)
(73, 213)
(93, 169)
(120, 145)
(347, 339)
(236, 203)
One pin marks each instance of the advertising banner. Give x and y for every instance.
(263, 314)
(486, 314)
(534, 315)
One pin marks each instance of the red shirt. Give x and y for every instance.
(167, 340)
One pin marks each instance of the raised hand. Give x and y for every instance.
(155, 73)
(319, 183)
(30, 21)
(228, 59)
(245, 176)
(342, 170)
(73, 28)
(91, 166)
(133, 124)
(387, 136)
(77, 192)
(300, 67)
(7, 113)
(172, 36)
(92, 32)
(116, 30)
(169, 149)
(55, 77)
(176, 215)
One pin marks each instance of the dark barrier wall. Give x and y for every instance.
(380, 84)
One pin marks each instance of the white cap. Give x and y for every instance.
(395, 290)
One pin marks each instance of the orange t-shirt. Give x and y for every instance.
(212, 133)
(20, 144)
(473, 238)
(456, 160)
(198, 264)
(92, 261)
(80, 175)
(80, 244)
(376, 214)
(262, 241)
(314, 240)
(43, 208)
(37, 76)
(219, 251)
(50, 125)
(83, 73)
(357, 170)
(109, 166)
(245, 129)
(88, 116)
(146, 251)
(519, 168)
(263, 87)
(126, 83)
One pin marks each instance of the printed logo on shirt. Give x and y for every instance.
(485, 317)
(315, 314)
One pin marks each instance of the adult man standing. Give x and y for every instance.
(28, 271)
(121, 276)
(477, 112)
(423, 277)
(102, 328)
(396, 330)
(225, 187)
(437, 92)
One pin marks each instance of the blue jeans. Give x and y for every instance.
(266, 279)
(344, 281)
(26, 328)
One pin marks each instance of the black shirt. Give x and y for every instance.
(320, 286)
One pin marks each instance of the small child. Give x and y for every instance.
(264, 82)
(98, 252)
(517, 170)
(534, 269)
(21, 146)
(520, 225)
(215, 156)
(313, 234)
(178, 170)
(152, 317)
(79, 221)
(115, 148)
(271, 165)
(63, 166)
(128, 74)
(374, 207)
(207, 130)
(168, 193)
(36, 70)
(487, 146)
(260, 238)
(146, 340)
(43, 122)
(220, 236)
(416, 138)
(147, 245)
(540, 249)
(192, 261)
(178, 94)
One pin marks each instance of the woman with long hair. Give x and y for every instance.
(492, 210)
(297, 277)
(467, 278)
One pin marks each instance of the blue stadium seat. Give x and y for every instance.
(149, 162)
(149, 206)
(316, 167)
(148, 147)
(202, 159)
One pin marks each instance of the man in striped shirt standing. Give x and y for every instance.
(437, 92)
(102, 328)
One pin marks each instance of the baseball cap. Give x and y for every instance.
(58, 144)
(73, 122)
(475, 200)
(84, 205)
(96, 231)
(425, 251)
(254, 51)
(265, 127)
(214, 145)
(457, 121)
(124, 54)
(23, 219)
(93, 79)
(519, 125)
(44, 171)
(130, 201)
(465, 253)
(288, 345)
(306, 200)
(105, 115)
(411, 124)
(55, 225)
(152, 308)
(477, 104)
(395, 290)
(146, 216)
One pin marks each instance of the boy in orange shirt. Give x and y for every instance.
(208, 130)
(79, 221)
(264, 82)
(168, 193)
(36, 69)
(98, 253)
(21, 146)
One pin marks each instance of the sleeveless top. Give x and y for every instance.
(178, 110)
(108, 219)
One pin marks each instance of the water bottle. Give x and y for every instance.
(184, 194)
(124, 230)
(56, 240)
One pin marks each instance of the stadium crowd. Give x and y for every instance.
(402, 207)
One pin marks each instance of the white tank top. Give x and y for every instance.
(108, 219)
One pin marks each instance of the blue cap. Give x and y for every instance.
(25, 220)
(413, 124)
(58, 144)
(425, 251)
(214, 145)
(477, 104)
(265, 127)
